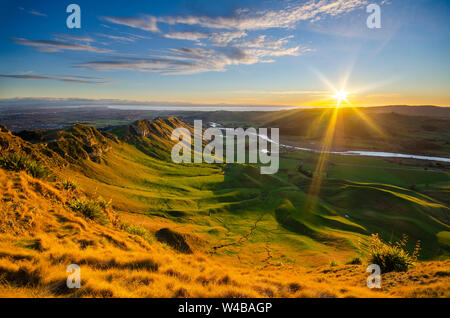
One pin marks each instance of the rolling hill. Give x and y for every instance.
(142, 226)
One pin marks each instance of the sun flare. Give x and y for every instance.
(341, 96)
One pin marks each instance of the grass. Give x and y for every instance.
(261, 254)
(20, 162)
(354, 261)
(392, 257)
(69, 185)
(137, 230)
(212, 200)
(94, 210)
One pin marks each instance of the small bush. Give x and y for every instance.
(69, 185)
(333, 263)
(20, 162)
(355, 261)
(90, 209)
(137, 230)
(104, 204)
(37, 170)
(13, 161)
(392, 257)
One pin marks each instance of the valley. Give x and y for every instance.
(213, 230)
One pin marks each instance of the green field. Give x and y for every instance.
(232, 207)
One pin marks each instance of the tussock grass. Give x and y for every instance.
(94, 210)
(20, 162)
(392, 257)
(69, 185)
(333, 263)
(354, 261)
(137, 230)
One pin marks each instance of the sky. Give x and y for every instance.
(286, 53)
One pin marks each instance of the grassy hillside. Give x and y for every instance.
(250, 234)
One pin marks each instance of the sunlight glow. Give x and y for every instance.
(341, 96)
(333, 116)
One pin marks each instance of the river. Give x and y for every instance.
(379, 154)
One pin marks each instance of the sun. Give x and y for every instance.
(341, 96)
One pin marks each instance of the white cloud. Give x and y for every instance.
(58, 46)
(71, 78)
(193, 60)
(245, 20)
(33, 12)
(217, 38)
(74, 38)
(145, 22)
(116, 37)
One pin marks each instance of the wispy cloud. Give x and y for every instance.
(74, 38)
(58, 46)
(144, 22)
(288, 92)
(246, 20)
(116, 37)
(193, 60)
(71, 79)
(33, 12)
(217, 38)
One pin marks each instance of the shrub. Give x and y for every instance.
(20, 162)
(355, 261)
(69, 185)
(333, 263)
(137, 230)
(392, 257)
(13, 161)
(90, 209)
(104, 204)
(37, 170)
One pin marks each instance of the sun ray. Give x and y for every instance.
(322, 163)
(370, 123)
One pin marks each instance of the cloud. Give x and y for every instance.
(179, 61)
(245, 20)
(58, 46)
(193, 60)
(158, 65)
(144, 22)
(74, 38)
(116, 37)
(71, 79)
(290, 92)
(217, 38)
(189, 36)
(224, 38)
(33, 12)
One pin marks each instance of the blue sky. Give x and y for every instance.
(233, 52)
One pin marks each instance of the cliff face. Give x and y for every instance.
(160, 127)
(153, 137)
(82, 142)
(11, 144)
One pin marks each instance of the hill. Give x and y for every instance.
(141, 226)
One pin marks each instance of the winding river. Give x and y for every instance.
(350, 152)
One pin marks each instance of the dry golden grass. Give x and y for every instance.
(40, 236)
